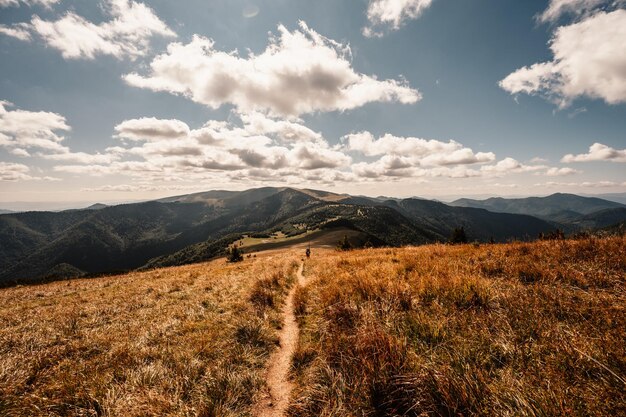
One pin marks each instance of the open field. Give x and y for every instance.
(278, 237)
(528, 329)
(184, 341)
(533, 329)
(320, 239)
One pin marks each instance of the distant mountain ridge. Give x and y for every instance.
(556, 207)
(616, 197)
(188, 228)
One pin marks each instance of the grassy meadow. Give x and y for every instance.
(184, 341)
(522, 329)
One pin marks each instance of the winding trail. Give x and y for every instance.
(274, 403)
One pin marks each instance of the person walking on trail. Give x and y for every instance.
(308, 252)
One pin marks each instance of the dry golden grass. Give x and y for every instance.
(185, 341)
(535, 329)
(524, 329)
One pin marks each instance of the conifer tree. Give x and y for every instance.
(458, 236)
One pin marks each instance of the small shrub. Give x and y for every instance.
(344, 244)
(252, 334)
(262, 297)
(557, 234)
(234, 254)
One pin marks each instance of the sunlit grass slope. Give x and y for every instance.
(183, 341)
(536, 329)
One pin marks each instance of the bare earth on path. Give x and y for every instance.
(275, 402)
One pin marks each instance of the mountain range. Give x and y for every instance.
(556, 207)
(101, 239)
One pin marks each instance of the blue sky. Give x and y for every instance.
(434, 98)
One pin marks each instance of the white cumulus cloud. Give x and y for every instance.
(510, 165)
(421, 152)
(391, 14)
(598, 152)
(19, 172)
(127, 34)
(561, 172)
(287, 131)
(23, 130)
(19, 31)
(589, 61)
(299, 72)
(27, 129)
(150, 128)
(408, 157)
(558, 8)
(13, 172)
(15, 3)
(170, 148)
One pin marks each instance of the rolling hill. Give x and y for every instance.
(600, 219)
(36, 246)
(479, 224)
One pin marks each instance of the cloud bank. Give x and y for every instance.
(255, 147)
(252, 148)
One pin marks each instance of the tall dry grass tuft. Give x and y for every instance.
(525, 329)
(182, 341)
